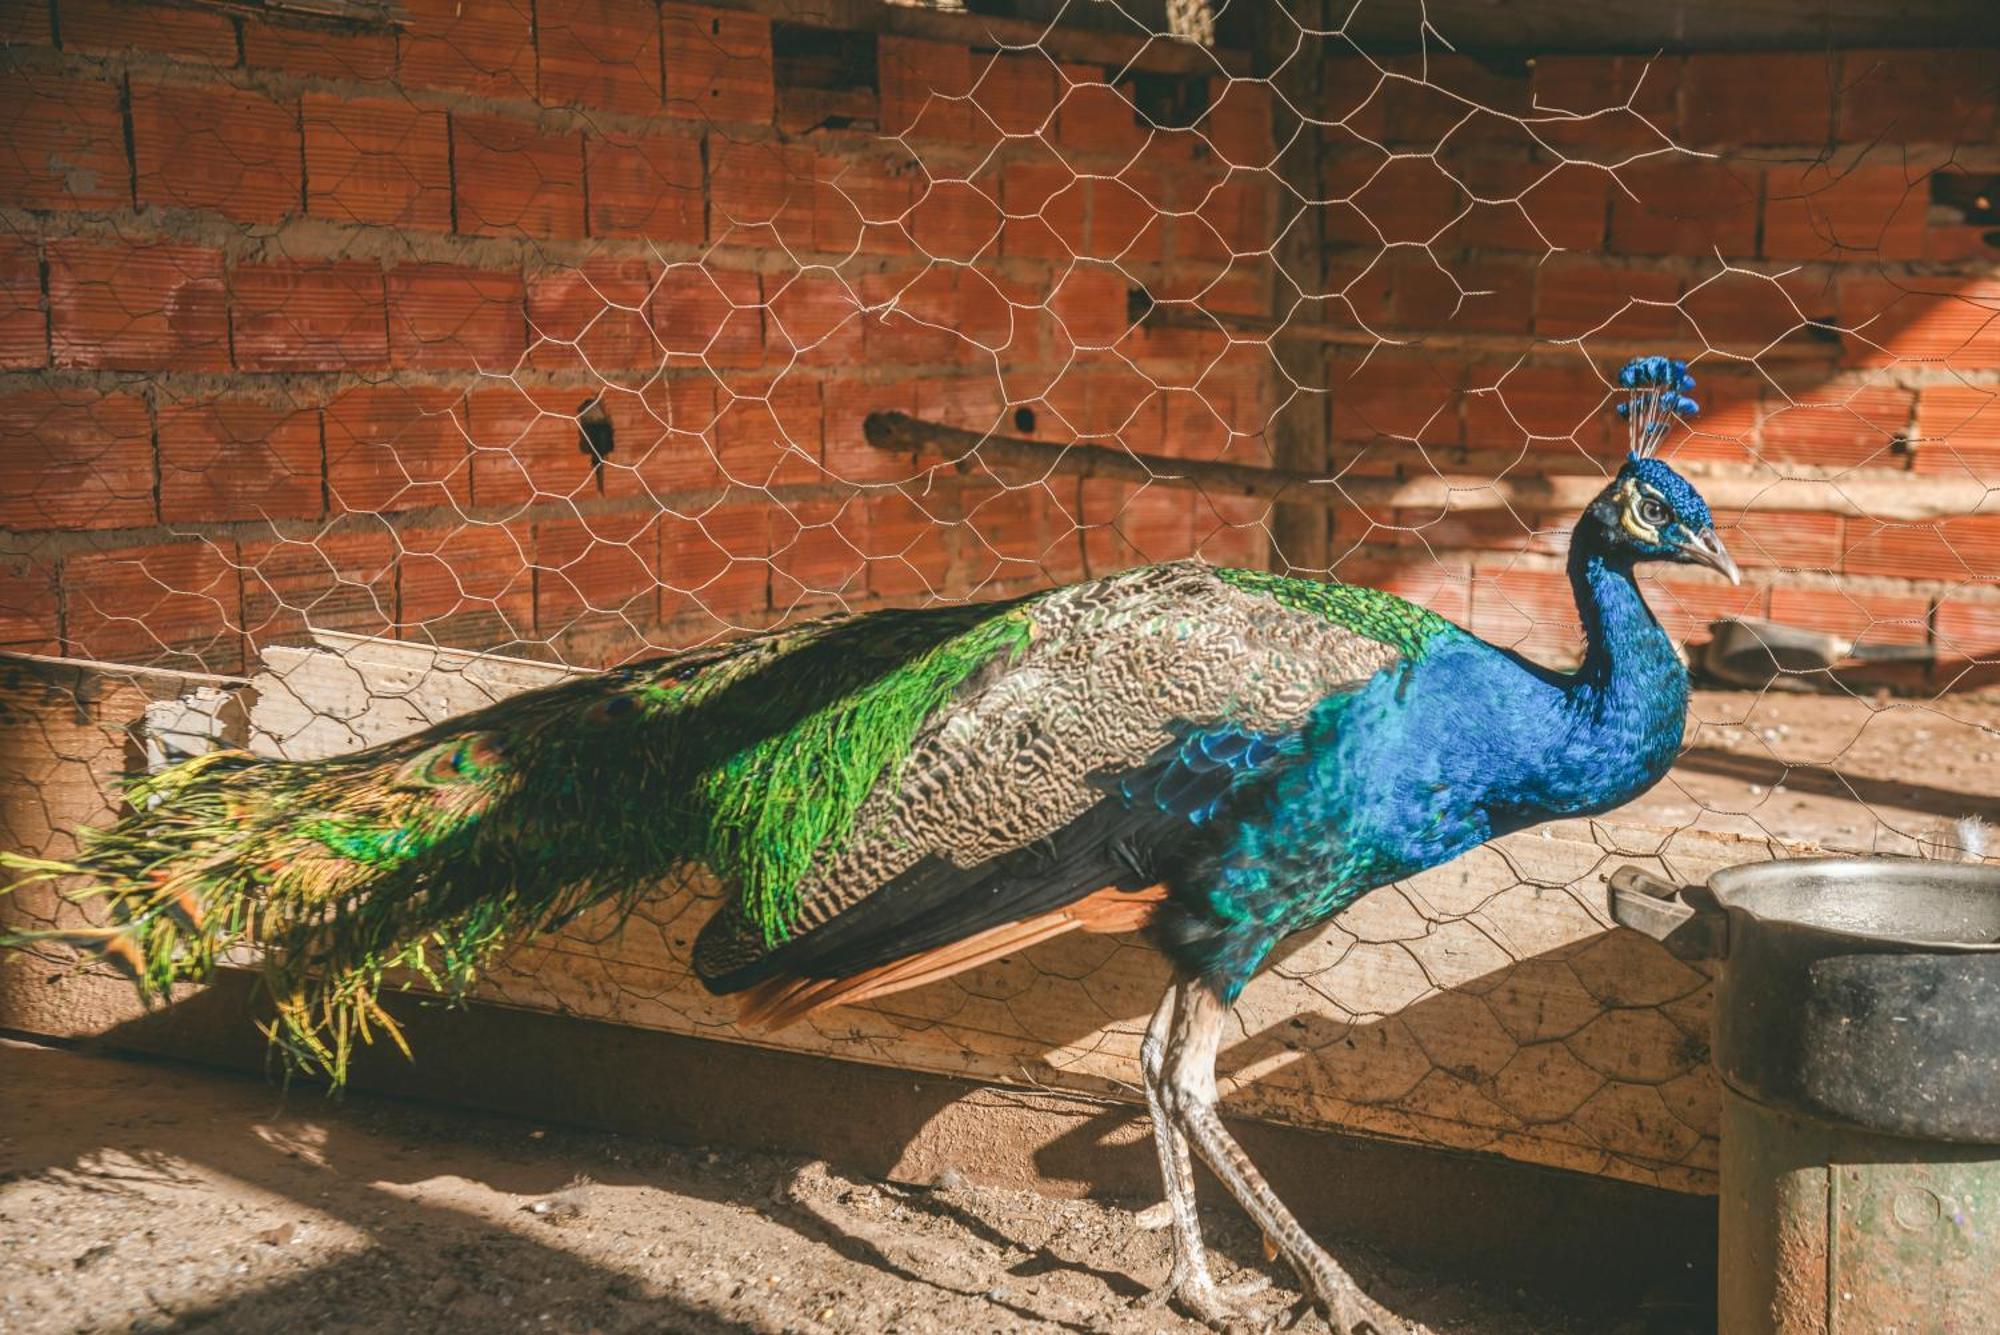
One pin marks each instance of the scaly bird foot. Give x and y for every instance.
(1214, 1305)
(1347, 1310)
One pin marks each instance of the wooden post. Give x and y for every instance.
(1301, 535)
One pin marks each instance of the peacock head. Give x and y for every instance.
(1650, 512)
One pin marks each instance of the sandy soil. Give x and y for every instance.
(145, 1196)
(1864, 774)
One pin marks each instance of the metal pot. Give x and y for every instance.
(1857, 1035)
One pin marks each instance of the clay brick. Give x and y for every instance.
(24, 337)
(107, 27)
(1093, 116)
(715, 561)
(719, 65)
(1125, 225)
(601, 54)
(1378, 201)
(1479, 295)
(446, 316)
(1786, 541)
(1944, 549)
(906, 546)
(30, 613)
(26, 25)
(1443, 100)
(371, 161)
(309, 315)
(1825, 211)
(923, 86)
(1047, 209)
(515, 181)
(593, 317)
(761, 194)
(1732, 406)
(1839, 428)
(711, 315)
(1967, 629)
(674, 448)
(1871, 618)
(168, 605)
(1935, 97)
(770, 442)
(320, 53)
(395, 447)
(472, 584)
(330, 581)
(478, 46)
(1126, 525)
(1395, 395)
(1239, 121)
(815, 558)
(1954, 322)
(1958, 431)
(951, 220)
(62, 143)
(1530, 610)
(1762, 97)
(1016, 92)
(1743, 312)
(1003, 537)
(1579, 296)
(595, 571)
(237, 458)
(1685, 206)
(156, 307)
(72, 458)
(1534, 206)
(1550, 407)
(1089, 303)
(814, 317)
(1688, 602)
(527, 445)
(646, 186)
(859, 205)
(1619, 103)
(216, 147)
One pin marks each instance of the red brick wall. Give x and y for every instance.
(1773, 214)
(293, 322)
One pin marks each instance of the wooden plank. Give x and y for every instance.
(1512, 485)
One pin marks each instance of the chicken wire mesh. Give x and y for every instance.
(397, 392)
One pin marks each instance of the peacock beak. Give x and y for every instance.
(1704, 548)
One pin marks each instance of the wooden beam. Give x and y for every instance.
(1302, 431)
(1898, 497)
(1281, 333)
(1113, 49)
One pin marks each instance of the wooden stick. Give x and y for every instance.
(1894, 498)
(1506, 346)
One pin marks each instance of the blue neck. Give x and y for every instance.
(1629, 661)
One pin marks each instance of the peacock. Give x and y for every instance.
(1217, 757)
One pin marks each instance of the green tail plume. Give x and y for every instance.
(435, 852)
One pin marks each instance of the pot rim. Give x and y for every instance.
(1730, 882)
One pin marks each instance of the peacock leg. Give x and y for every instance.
(1189, 1280)
(1188, 1091)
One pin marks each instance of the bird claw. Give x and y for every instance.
(1214, 1305)
(1348, 1311)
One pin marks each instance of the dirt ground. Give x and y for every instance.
(1852, 773)
(146, 1196)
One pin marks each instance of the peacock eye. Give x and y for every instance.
(1652, 513)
